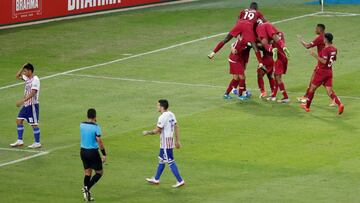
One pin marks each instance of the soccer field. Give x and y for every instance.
(122, 63)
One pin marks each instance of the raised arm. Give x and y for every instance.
(19, 74)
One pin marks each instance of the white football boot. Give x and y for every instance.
(271, 99)
(35, 145)
(283, 101)
(179, 184)
(152, 180)
(18, 143)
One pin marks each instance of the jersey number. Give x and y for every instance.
(249, 16)
(331, 61)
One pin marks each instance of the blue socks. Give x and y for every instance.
(37, 134)
(159, 171)
(20, 131)
(175, 171)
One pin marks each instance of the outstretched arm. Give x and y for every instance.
(157, 130)
(220, 45)
(302, 41)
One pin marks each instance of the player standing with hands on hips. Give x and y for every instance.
(166, 127)
(30, 105)
(89, 153)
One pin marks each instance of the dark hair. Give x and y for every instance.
(29, 66)
(321, 26)
(91, 113)
(329, 37)
(164, 103)
(254, 5)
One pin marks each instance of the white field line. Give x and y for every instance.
(20, 150)
(149, 52)
(95, 14)
(37, 154)
(24, 159)
(340, 14)
(148, 81)
(179, 83)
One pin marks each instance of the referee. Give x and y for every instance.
(89, 153)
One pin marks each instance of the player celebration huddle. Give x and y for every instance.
(253, 31)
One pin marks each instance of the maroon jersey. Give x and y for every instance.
(242, 54)
(329, 54)
(251, 16)
(266, 31)
(318, 43)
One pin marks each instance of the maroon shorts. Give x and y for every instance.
(280, 66)
(268, 62)
(237, 68)
(322, 77)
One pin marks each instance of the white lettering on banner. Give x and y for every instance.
(82, 4)
(22, 5)
(26, 8)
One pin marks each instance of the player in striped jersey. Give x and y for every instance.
(166, 127)
(30, 105)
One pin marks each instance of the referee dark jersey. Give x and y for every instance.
(89, 146)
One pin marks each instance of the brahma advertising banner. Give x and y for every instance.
(18, 11)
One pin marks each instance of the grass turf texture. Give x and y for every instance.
(252, 151)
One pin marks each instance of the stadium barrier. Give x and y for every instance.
(20, 11)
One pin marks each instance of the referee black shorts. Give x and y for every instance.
(91, 159)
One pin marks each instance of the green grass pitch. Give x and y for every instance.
(233, 151)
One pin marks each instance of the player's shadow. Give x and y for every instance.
(263, 108)
(332, 117)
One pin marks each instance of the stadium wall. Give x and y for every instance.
(19, 11)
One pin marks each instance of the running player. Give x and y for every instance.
(268, 33)
(318, 42)
(30, 105)
(245, 28)
(324, 74)
(89, 153)
(238, 60)
(166, 127)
